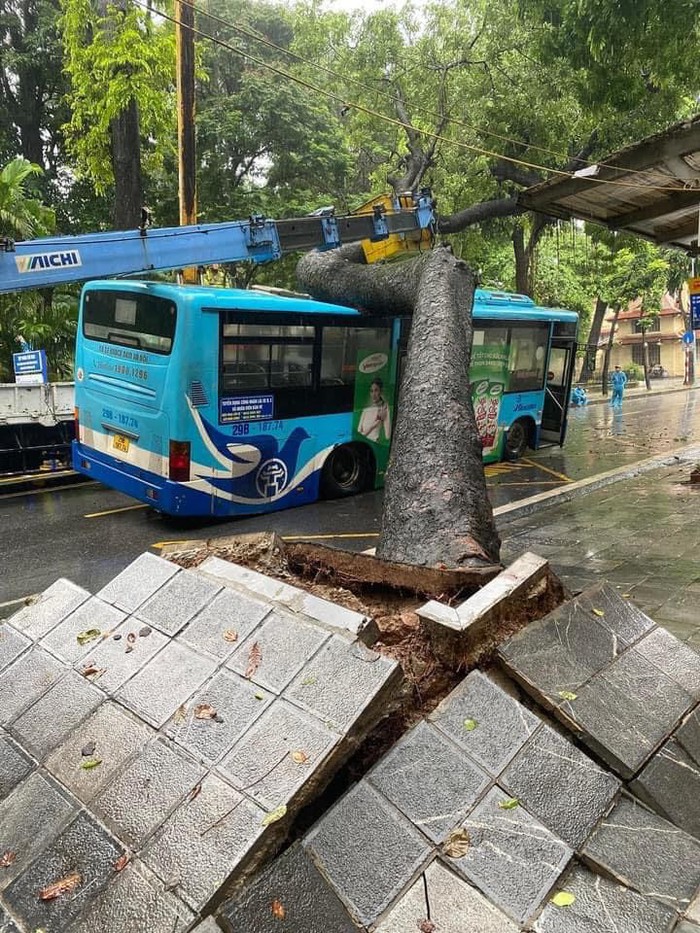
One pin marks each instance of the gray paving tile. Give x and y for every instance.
(670, 783)
(56, 714)
(30, 817)
(134, 902)
(627, 711)
(368, 851)
(138, 582)
(12, 644)
(51, 607)
(341, 681)
(238, 704)
(15, 764)
(117, 736)
(278, 754)
(560, 785)
(83, 848)
(436, 805)
(204, 840)
(512, 858)
(455, 907)
(601, 906)
(92, 614)
(146, 791)
(120, 658)
(688, 735)
(229, 613)
(503, 725)
(676, 660)
(178, 601)
(24, 681)
(166, 682)
(285, 643)
(647, 853)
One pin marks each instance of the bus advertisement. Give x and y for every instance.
(214, 402)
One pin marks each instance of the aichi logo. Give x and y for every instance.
(37, 262)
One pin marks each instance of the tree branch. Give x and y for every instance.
(509, 171)
(477, 213)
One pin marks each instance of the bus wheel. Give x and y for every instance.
(347, 470)
(516, 441)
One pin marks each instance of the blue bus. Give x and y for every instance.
(215, 402)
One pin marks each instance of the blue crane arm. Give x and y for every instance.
(57, 260)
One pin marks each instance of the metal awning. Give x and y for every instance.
(651, 189)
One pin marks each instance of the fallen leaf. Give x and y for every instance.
(205, 711)
(308, 681)
(300, 757)
(563, 899)
(278, 911)
(510, 804)
(230, 635)
(259, 696)
(145, 631)
(626, 595)
(122, 862)
(91, 671)
(194, 793)
(88, 635)
(254, 660)
(567, 695)
(598, 612)
(7, 858)
(117, 637)
(274, 815)
(128, 649)
(470, 724)
(90, 763)
(426, 926)
(88, 750)
(131, 637)
(457, 843)
(180, 713)
(64, 886)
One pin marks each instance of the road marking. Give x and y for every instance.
(126, 508)
(368, 534)
(161, 544)
(22, 601)
(28, 477)
(43, 492)
(561, 476)
(533, 482)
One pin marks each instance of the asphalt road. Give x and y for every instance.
(88, 533)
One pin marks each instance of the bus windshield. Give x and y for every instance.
(130, 320)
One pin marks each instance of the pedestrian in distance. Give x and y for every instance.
(619, 381)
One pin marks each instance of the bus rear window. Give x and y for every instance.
(144, 322)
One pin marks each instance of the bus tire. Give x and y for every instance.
(348, 470)
(517, 439)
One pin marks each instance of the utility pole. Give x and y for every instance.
(184, 37)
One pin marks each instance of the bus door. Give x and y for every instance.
(560, 368)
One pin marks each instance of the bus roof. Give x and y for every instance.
(489, 305)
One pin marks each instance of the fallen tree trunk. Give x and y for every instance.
(436, 509)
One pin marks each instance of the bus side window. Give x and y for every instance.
(527, 358)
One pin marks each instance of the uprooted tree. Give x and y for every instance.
(436, 509)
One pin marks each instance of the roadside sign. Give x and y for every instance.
(688, 338)
(31, 368)
(694, 289)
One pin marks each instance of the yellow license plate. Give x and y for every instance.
(121, 443)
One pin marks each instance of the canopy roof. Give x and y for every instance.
(651, 189)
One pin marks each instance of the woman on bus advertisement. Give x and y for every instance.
(374, 404)
(375, 420)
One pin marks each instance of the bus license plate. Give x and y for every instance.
(121, 443)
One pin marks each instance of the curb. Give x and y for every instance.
(33, 481)
(592, 483)
(606, 398)
(8, 609)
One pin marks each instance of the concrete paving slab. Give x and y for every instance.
(24, 681)
(12, 644)
(454, 906)
(294, 883)
(202, 842)
(7, 925)
(30, 817)
(178, 601)
(54, 716)
(368, 851)
(117, 736)
(278, 754)
(601, 906)
(49, 608)
(560, 785)
(15, 764)
(627, 711)
(83, 848)
(138, 800)
(688, 735)
(166, 682)
(284, 642)
(512, 857)
(670, 784)
(342, 681)
(119, 658)
(434, 806)
(664, 866)
(92, 615)
(229, 614)
(676, 660)
(486, 722)
(138, 582)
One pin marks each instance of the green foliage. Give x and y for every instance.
(638, 273)
(22, 216)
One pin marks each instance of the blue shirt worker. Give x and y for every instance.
(619, 381)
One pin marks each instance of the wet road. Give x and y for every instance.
(90, 533)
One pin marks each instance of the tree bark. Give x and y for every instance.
(126, 165)
(522, 261)
(594, 336)
(645, 359)
(436, 509)
(606, 355)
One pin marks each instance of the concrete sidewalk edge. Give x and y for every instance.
(633, 393)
